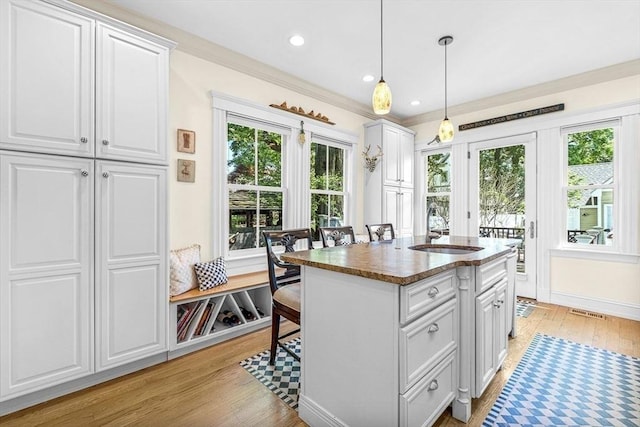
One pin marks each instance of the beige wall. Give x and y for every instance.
(585, 98)
(609, 281)
(191, 80)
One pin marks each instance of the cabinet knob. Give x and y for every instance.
(83, 140)
(433, 292)
(105, 174)
(84, 172)
(433, 385)
(105, 142)
(433, 328)
(496, 305)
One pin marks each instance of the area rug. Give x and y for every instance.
(563, 383)
(524, 307)
(283, 377)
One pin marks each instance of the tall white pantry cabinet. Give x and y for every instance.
(83, 195)
(389, 192)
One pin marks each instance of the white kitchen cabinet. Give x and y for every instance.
(407, 335)
(86, 89)
(46, 271)
(131, 97)
(46, 81)
(131, 311)
(491, 334)
(389, 188)
(83, 212)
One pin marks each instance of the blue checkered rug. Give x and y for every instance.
(283, 377)
(563, 383)
(524, 307)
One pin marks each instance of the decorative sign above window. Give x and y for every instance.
(510, 117)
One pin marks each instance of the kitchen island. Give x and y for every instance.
(395, 331)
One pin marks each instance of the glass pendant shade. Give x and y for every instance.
(446, 130)
(381, 99)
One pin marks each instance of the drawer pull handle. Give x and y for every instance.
(83, 140)
(105, 142)
(433, 385)
(433, 292)
(433, 328)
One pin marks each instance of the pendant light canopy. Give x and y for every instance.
(381, 99)
(445, 133)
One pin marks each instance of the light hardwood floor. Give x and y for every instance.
(210, 388)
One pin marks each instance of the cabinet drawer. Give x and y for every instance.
(422, 296)
(489, 274)
(426, 341)
(425, 401)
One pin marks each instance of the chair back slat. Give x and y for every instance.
(288, 239)
(380, 232)
(340, 236)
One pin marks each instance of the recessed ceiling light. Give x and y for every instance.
(368, 78)
(296, 40)
(415, 102)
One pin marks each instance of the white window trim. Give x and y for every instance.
(295, 180)
(618, 242)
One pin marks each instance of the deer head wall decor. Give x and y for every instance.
(370, 162)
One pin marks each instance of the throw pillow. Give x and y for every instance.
(211, 273)
(181, 276)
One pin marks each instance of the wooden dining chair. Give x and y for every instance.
(340, 236)
(284, 281)
(380, 232)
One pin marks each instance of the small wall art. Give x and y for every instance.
(186, 170)
(186, 141)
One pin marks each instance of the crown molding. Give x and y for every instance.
(204, 49)
(601, 75)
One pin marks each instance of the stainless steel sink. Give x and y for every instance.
(445, 249)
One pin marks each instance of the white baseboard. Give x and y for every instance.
(315, 415)
(22, 402)
(611, 308)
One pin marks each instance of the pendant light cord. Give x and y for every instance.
(446, 116)
(381, 44)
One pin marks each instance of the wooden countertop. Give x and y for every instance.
(392, 261)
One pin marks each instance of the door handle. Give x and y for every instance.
(532, 229)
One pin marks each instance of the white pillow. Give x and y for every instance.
(181, 275)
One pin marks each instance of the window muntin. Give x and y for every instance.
(590, 188)
(254, 182)
(438, 185)
(327, 186)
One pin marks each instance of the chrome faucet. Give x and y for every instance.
(433, 209)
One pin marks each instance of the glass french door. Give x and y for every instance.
(502, 199)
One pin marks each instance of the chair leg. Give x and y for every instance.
(275, 330)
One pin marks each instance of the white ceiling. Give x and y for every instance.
(499, 45)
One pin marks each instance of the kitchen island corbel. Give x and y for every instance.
(394, 332)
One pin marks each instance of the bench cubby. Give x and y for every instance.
(194, 315)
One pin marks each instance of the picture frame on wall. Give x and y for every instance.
(186, 141)
(186, 170)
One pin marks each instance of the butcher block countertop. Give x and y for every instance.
(393, 261)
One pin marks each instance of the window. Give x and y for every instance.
(254, 178)
(327, 182)
(590, 189)
(438, 185)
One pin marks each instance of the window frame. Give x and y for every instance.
(295, 172)
(347, 172)
(424, 173)
(565, 131)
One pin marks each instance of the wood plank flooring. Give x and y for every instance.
(210, 388)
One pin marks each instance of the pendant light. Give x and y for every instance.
(445, 133)
(381, 99)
